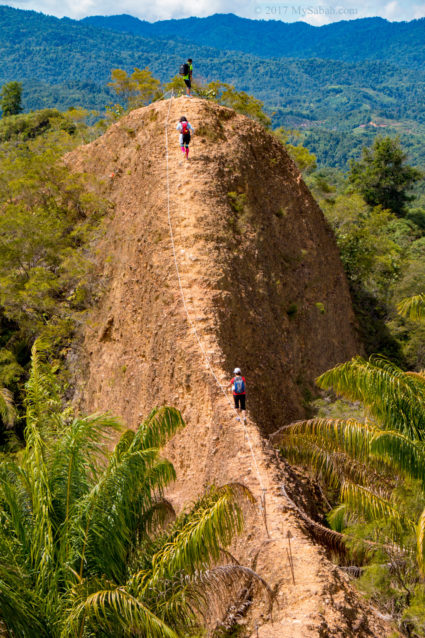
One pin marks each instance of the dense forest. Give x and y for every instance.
(64, 63)
(401, 43)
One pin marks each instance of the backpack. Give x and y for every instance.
(185, 128)
(184, 69)
(239, 385)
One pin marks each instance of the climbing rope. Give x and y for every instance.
(195, 331)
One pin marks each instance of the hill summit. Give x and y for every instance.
(265, 290)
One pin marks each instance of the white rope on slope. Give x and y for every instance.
(192, 324)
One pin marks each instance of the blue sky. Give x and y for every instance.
(315, 12)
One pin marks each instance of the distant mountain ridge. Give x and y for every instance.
(64, 63)
(402, 43)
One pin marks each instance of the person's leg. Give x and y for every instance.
(186, 140)
(236, 398)
(181, 141)
(243, 407)
(187, 82)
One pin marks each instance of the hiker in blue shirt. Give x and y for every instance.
(238, 384)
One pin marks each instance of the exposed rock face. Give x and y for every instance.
(264, 287)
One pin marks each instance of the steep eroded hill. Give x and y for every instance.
(265, 288)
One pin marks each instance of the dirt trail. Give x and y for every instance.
(265, 287)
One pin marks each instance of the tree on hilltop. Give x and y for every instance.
(138, 89)
(11, 94)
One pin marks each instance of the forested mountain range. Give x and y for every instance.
(63, 63)
(402, 43)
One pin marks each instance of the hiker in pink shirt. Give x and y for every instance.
(184, 127)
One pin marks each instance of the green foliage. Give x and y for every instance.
(85, 548)
(10, 102)
(177, 85)
(7, 410)
(413, 307)
(371, 256)
(138, 89)
(237, 201)
(47, 215)
(30, 125)
(383, 257)
(302, 157)
(240, 101)
(374, 468)
(382, 175)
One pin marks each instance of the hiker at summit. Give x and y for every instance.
(238, 384)
(186, 70)
(184, 127)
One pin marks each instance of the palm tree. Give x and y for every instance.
(86, 543)
(367, 460)
(413, 307)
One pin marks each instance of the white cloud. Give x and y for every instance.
(419, 11)
(145, 10)
(391, 10)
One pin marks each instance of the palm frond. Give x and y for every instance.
(333, 467)
(420, 376)
(16, 506)
(371, 506)
(413, 307)
(196, 540)
(42, 398)
(7, 408)
(19, 605)
(345, 435)
(76, 458)
(420, 543)
(116, 607)
(219, 579)
(38, 485)
(159, 516)
(115, 506)
(213, 591)
(406, 455)
(337, 518)
(397, 400)
(126, 439)
(161, 424)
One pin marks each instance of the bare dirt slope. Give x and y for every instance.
(264, 285)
